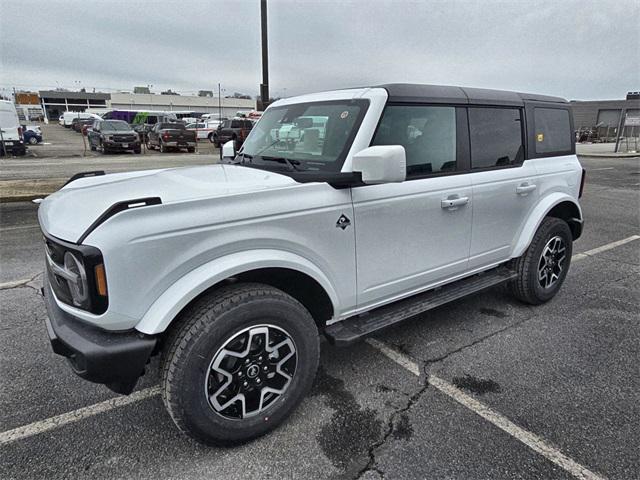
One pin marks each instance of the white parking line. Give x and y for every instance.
(21, 227)
(602, 168)
(531, 440)
(603, 248)
(75, 415)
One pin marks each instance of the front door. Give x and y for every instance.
(415, 234)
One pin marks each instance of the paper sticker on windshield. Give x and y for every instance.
(540, 137)
(344, 114)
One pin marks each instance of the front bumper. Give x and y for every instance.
(116, 359)
(111, 145)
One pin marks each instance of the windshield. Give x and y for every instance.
(314, 136)
(117, 125)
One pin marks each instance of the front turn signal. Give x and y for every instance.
(101, 280)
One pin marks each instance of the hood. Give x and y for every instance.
(68, 213)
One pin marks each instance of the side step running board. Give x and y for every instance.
(355, 328)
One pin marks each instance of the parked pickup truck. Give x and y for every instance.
(171, 136)
(396, 200)
(112, 136)
(236, 129)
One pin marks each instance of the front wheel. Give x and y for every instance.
(33, 140)
(544, 266)
(241, 361)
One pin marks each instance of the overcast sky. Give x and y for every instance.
(579, 50)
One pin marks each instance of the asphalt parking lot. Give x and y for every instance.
(483, 388)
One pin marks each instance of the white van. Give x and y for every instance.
(11, 140)
(67, 117)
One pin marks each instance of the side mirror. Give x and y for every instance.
(229, 149)
(381, 164)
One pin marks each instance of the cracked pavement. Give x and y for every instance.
(566, 371)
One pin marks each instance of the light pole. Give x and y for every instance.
(264, 86)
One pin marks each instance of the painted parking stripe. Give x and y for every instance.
(534, 442)
(604, 248)
(75, 415)
(21, 227)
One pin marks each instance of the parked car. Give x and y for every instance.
(235, 129)
(230, 272)
(113, 136)
(32, 134)
(11, 137)
(84, 125)
(68, 117)
(77, 123)
(171, 136)
(204, 130)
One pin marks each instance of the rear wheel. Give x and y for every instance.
(137, 150)
(241, 361)
(33, 140)
(191, 149)
(544, 266)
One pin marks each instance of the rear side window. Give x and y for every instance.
(236, 124)
(428, 135)
(552, 130)
(496, 137)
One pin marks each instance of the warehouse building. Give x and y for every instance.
(600, 120)
(56, 102)
(227, 107)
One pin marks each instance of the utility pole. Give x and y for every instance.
(264, 86)
(219, 103)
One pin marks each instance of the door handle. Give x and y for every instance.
(453, 203)
(525, 188)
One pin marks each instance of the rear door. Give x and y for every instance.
(505, 186)
(415, 234)
(552, 144)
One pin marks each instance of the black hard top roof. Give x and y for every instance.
(412, 92)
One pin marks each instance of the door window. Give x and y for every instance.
(428, 135)
(496, 137)
(552, 130)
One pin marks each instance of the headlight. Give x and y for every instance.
(77, 275)
(77, 282)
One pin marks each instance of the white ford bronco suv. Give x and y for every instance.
(344, 213)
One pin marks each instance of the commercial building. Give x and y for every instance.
(55, 102)
(600, 120)
(172, 103)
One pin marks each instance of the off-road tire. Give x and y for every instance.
(202, 329)
(526, 286)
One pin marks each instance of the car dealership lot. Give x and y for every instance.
(565, 372)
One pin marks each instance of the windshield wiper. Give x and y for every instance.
(291, 163)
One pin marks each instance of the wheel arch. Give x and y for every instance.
(558, 205)
(286, 271)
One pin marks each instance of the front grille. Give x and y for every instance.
(124, 138)
(55, 253)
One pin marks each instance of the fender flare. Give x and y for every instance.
(535, 219)
(168, 305)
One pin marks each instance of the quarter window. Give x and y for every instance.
(552, 130)
(496, 137)
(428, 135)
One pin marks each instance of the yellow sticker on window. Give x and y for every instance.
(540, 137)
